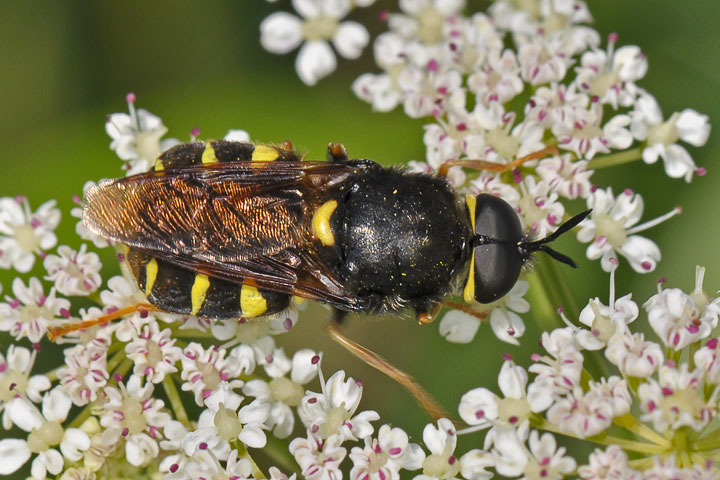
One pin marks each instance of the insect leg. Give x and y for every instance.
(427, 317)
(495, 167)
(56, 332)
(336, 152)
(428, 403)
(482, 316)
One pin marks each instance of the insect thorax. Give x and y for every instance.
(399, 238)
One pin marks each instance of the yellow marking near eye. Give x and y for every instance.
(469, 290)
(208, 155)
(265, 153)
(151, 270)
(199, 292)
(159, 165)
(321, 223)
(252, 303)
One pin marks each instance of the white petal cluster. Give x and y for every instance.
(24, 233)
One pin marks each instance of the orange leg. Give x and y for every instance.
(428, 403)
(56, 332)
(495, 167)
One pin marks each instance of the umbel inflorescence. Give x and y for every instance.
(640, 381)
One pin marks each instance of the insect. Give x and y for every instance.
(225, 229)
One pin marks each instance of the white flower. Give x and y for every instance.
(284, 393)
(15, 379)
(332, 412)
(442, 463)
(459, 327)
(84, 373)
(483, 408)
(31, 312)
(424, 19)
(569, 179)
(586, 136)
(153, 352)
(555, 104)
(662, 137)
(676, 320)
(676, 400)
(582, 415)
(319, 459)
(615, 391)
(611, 464)
(45, 432)
(563, 367)
(382, 90)
(136, 137)
(282, 32)
(74, 273)
(611, 228)
(604, 321)
(543, 62)
(24, 233)
(207, 370)
(633, 355)
(498, 80)
(384, 457)
(707, 359)
(547, 460)
(538, 207)
(610, 76)
(130, 413)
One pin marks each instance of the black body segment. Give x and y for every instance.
(178, 290)
(497, 260)
(220, 151)
(400, 238)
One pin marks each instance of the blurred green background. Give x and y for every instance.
(65, 65)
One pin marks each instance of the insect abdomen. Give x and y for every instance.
(178, 290)
(221, 151)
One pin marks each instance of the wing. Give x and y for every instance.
(239, 221)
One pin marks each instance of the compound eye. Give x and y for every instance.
(496, 270)
(496, 261)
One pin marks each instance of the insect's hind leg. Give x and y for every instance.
(424, 398)
(56, 332)
(495, 167)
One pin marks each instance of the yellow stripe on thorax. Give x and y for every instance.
(208, 155)
(199, 292)
(159, 165)
(252, 303)
(469, 290)
(265, 153)
(321, 223)
(151, 270)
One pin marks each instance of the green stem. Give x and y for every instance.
(631, 445)
(115, 361)
(637, 427)
(711, 443)
(615, 159)
(175, 401)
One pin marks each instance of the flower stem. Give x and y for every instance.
(615, 159)
(631, 445)
(175, 400)
(637, 427)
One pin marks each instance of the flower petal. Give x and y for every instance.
(459, 327)
(281, 32)
(13, 455)
(350, 39)
(315, 61)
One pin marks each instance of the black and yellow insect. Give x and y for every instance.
(226, 229)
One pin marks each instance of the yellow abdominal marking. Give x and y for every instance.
(321, 223)
(265, 153)
(199, 292)
(159, 165)
(252, 303)
(151, 270)
(469, 290)
(208, 155)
